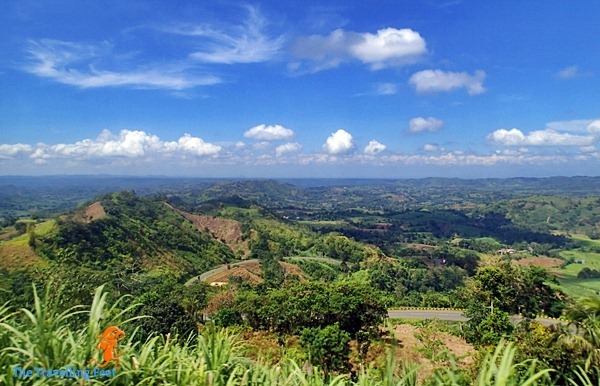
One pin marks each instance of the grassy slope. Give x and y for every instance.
(16, 252)
(568, 276)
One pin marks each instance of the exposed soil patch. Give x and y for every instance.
(411, 349)
(226, 230)
(7, 235)
(92, 213)
(252, 273)
(544, 262)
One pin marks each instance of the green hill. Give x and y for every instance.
(131, 234)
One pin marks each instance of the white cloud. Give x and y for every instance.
(269, 132)
(429, 81)
(128, 144)
(262, 145)
(339, 142)
(374, 147)
(575, 125)
(420, 125)
(594, 128)
(74, 64)
(13, 151)
(461, 159)
(548, 137)
(386, 89)
(388, 47)
(569, 72)
(287, 148)
(196, 146)
(246, 42)
(428, 147)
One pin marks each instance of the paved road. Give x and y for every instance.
(452, 315)
(208, 274)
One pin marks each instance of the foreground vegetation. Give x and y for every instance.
(45, 337)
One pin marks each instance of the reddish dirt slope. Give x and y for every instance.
(91, 213)
(252, 273)
(228, 231)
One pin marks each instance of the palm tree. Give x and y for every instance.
(584, 315)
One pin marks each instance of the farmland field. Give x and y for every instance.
(568, 276)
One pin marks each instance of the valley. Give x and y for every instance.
(298, 259)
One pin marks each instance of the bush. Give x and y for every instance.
(588, 273)
(327, 347)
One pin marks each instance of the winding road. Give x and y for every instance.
(223, 267)
(401, 313)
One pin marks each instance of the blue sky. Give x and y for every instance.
(310, 89)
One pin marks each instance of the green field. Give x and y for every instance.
(568, 276)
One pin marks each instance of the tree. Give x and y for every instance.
(487, 307)
(31, 235)
(327, 347)
(585, 316)
(507, 289)
(354, 304)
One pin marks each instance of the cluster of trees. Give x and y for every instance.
(588, 273)
(325, 315)
(405, 280)
(497, 292)
(353, 303)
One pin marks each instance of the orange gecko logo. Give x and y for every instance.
(108, 345)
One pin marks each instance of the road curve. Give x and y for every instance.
(453, 315)
(223, 267)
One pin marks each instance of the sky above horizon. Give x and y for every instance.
(414, 88)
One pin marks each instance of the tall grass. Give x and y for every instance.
(45, 337)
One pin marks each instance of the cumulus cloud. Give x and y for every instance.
(128, 144)
(339, 142)
(12, 151)
(594, 128)
(196, 146)
(548, 137)
(374, 147)
(430, 81)
(428, 147)
(269, 132)
(387, 47)
(420, 125)
(262, 145)
(74, 64)
(287, 148)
